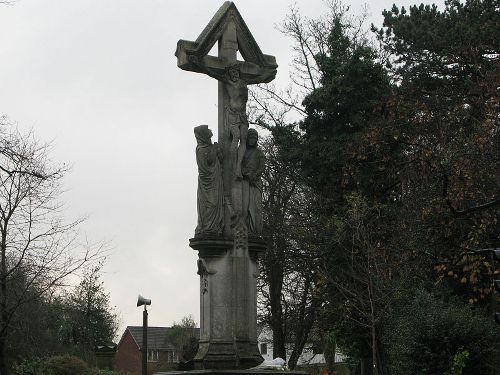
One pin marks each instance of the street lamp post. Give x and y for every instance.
(140, 302)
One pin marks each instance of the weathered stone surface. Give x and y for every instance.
(228, 29)
(228, 332)
(213, 32)
(252, 168)
(228, 249)
(210, 193)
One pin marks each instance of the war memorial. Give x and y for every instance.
(228, 235)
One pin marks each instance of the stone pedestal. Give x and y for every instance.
(228, 303)
(233, 372)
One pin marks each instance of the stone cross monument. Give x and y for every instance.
(228, 236)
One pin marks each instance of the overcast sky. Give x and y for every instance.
(99, 79)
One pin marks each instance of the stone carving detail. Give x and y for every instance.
(204, 272)
(235, 116)
(210, 190)
(240, 235)
(251, 169)
(204, 284)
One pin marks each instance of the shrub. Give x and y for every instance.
(58, 365)
(430, 332)
(66, 365)
(31, 366)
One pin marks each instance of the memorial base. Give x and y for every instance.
(228, 304)
(233, 372)
(219, 355)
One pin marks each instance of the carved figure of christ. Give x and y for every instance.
(234, 77)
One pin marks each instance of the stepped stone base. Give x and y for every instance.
(232, 372)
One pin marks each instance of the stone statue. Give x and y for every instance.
(252, 167)
(228, 265)
(235, 116)
(236, 120)
(210, 189)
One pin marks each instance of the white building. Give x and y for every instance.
(311, 355)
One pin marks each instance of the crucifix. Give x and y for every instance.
(228, 255)
(230, 31)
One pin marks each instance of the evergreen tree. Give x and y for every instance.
(445, 119)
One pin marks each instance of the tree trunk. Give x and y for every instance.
(330, 349)
(374, 350)
(275, 289)
(307, 317)
(3, 364)
(3, 303)
(372, 318)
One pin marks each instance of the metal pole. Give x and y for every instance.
(145, 341)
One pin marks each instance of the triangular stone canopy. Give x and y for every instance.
(247, 46)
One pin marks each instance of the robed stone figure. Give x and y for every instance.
(252, 167)
(210, 189)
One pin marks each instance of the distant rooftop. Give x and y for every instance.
(158, 337)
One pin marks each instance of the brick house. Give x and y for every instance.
(163, 355)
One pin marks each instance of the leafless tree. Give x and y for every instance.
(287, 302)
(271, 106)
(35, 240)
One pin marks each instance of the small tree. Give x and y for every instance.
(89, 320)
(287, 280)
(181, 336)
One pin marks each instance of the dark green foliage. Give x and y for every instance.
(346, 106)
(400, 152)
(66, 365)
(35, 321)
(441, 329)
(32, 366)
(73, 323)
(444, 116)
(58, 365)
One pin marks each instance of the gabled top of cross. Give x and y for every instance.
(191, 54)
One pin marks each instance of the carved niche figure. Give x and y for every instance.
(210, 189)
(252, 167)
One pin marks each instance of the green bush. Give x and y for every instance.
(58, 365)
(109, 372)
(66, 365)
(432, 333)
(32, 366)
